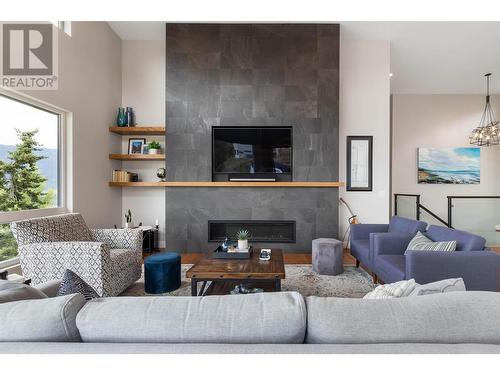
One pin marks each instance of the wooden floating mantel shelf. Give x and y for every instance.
(138, 130)
(293, 184)
(137, 156)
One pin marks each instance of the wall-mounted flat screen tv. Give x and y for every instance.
(252, 150)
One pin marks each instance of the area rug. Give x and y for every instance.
(352, 283)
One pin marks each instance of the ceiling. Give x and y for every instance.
(426, 57)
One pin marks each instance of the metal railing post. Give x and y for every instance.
(418, 207)
(449, 211)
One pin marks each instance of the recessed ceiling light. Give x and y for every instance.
(390, 74)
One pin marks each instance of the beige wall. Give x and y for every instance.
(143, 88)
(444, 121)
(90, 88)
(365, 110)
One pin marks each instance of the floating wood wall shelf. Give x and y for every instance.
(137, 156)
(293, 184)
(138, 130)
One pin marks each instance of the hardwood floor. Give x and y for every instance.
(290, 258)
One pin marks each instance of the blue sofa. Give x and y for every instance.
(471, 261)
(362, 236)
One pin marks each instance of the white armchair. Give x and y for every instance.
(109, 260)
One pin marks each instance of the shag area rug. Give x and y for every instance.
(352, 283)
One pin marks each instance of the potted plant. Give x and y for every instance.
(154, 147)
(128, 220)
(243, 236)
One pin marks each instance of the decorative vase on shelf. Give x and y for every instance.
(130, 225)
(130, 115)
(121, 118)
(242, 244)
(153, 151)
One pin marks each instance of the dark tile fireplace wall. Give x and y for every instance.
(257, 75)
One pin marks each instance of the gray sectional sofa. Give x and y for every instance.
(455, 322)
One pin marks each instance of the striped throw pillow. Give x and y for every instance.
(420, 242)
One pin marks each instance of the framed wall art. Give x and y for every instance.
(359, 163)
(457, 165)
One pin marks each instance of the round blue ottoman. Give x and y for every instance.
(162, 273)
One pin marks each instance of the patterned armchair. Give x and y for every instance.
(109, 260)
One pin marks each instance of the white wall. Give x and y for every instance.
(365, 110)
(442, 121)
(143, 88)
(90, 88)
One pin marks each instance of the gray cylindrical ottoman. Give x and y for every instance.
(327, 256)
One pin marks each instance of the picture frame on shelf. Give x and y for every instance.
(359, 170)
(136, 145)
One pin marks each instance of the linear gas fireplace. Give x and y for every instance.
(260, 230)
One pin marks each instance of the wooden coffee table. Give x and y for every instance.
(225, 274)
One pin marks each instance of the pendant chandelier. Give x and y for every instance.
(488, 131)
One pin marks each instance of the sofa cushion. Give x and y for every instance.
(72, 283)
(390, 268)
(48, 319)
(454, 318)
(404, 225)
(422, 243)
(50, 288)
(11, 291)
(465, 241)
(253, 319)
(441, 286)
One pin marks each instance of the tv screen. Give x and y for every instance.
(246, 150)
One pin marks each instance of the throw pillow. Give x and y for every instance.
(421, 242)
(398, 289)
(72, 283)
(14, 291)
(441, 286)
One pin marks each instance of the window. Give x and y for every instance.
(63, 25)
(31, 164)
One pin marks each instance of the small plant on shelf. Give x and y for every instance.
(128, 219)
(154, 147)
(243, 235)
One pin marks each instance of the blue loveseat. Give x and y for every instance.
(385, 254)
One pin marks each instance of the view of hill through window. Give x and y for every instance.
(28, 163)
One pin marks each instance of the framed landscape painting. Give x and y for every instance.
(459, 165)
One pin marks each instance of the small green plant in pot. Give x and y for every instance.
(128, 220)
(154, 147)
(243, 235)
